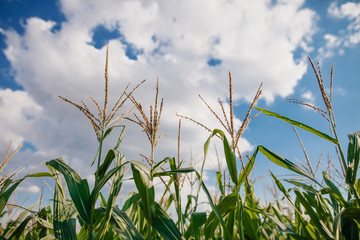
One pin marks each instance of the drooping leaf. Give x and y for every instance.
(299, 124)
(64, 221)
(78, 188)
(285, 163)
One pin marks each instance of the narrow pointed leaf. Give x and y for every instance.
(78, 188)
(299, 124)
(158, 166)
(283, 162)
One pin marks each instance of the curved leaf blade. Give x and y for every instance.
(300, 125)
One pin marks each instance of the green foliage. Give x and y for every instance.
(320, 209)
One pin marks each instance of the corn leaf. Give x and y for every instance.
(219, 182)
(308, 229)
(299, 124)
(144, 184)
(172, 172)
(104, 180)
(198, 219)
(164, 225)
(334, 191)
(248, 168)
(78, 188)
(64, 215)
(5, 195)
(226, 205)
(283, 162)
(229, 154)
(342, 223)
(122, 225)
(158, 166)
(118, 173)
(110, 156)
(353, 157)
(318, 223)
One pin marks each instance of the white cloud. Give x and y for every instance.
(308, 96)
(345, 37)
(29, 189)
(256, 40)
(19, 113)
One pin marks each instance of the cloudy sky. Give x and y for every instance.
(51, 48)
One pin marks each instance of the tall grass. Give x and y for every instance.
(320, 209)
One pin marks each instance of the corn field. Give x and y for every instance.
(318, 208)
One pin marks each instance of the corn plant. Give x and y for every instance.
(321, 209)
(332, 216)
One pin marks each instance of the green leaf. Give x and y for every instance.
(164, 225)
(229, 154)
(122, 225)
(299, 124)
(282, 227)
(158, 166)
(248, 168)
(353, 157)
(144, 184)
(283, 162)
(104, 180)
(21, 228)
(226, 205)
(334, 191)
(303, 222)
(198, 219)
(78, 188)
(5, 195)
(342, 223)
(169, 173)
(219, 182)
(40, 174)
(131, 199)
(64, 215)
(114, 192)
(110, 156)
(318, 223)
(121, 136)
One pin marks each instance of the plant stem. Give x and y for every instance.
(100, 147)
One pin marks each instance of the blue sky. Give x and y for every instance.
(51, 48)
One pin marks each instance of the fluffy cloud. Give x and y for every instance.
(175, 40)
(345, 37)
(19, 113)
